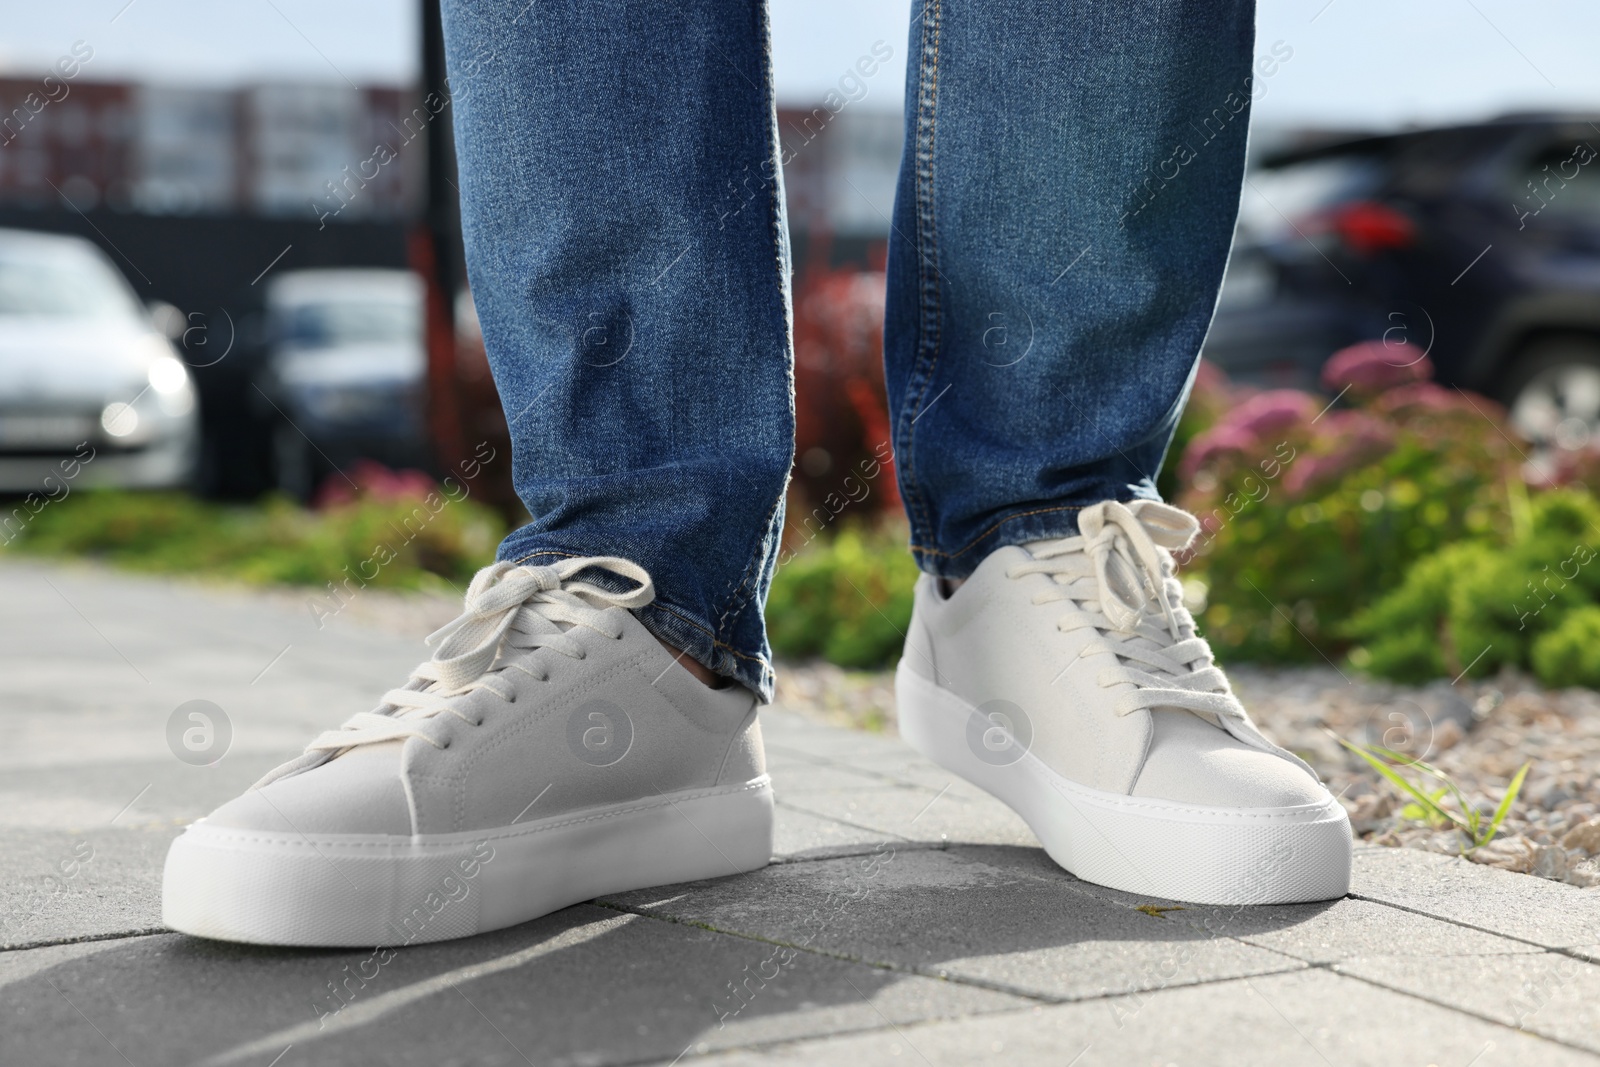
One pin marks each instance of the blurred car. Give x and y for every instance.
(1477, 244)
(88, 382)
(344, 373)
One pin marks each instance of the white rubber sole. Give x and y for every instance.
(1162, 849)
(349, 890)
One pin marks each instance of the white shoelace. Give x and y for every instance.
(1119, 582)
(507, 607)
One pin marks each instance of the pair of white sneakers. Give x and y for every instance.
(552, 751)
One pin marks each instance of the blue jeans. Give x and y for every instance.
(1065, 202)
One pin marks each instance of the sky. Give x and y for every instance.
(1368, 63)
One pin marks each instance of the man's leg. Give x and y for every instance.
(1065, 206)
(623, 215)
(1066, 200)
(624, 229)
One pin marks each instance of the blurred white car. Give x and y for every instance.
(88, 383)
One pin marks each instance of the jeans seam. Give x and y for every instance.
(715, 642)
(738, 596)
(970, 545)
(520, 560)
(928, 333)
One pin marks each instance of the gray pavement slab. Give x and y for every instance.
(881, 784)
(587, 985)
(799, 834)
(1552, 914)
(1319, 933)
(81, 848)
(1304, 1019)
(103, 659)
(932, 912)
(1348, 928)
(910, 917)
(1546, 993)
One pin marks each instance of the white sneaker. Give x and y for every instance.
(1065, 678)
(550, 752)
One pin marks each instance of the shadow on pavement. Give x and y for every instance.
(643, 977)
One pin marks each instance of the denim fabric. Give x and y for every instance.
(1066, 199)
(623, 216)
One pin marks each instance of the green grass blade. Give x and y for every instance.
(1469, 821)
(1409, 761)
(1423, 800)
(1506, 801)
(1469, 811)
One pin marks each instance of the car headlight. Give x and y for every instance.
(119, 420)
(169, 378)
(168, 375)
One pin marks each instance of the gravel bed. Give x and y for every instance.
(1479, 733)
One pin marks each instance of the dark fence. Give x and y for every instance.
(204, 262)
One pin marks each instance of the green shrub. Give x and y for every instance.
(845, 598)
(1308, 522)
(1409, 619)
(1478, 606)
(1398, 529)
(1570, 653)
(1463, 604)
(396, 542)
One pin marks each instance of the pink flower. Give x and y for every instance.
(1305, 472)
(1249, 428)
(373, 481)
(1355, 431)
(1426, 398)
(1346, 441)
(1373, 367)
(1272, 412)
(1211, 445)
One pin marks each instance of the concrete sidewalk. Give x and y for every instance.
(909, 918)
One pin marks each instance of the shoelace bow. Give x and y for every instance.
(1116, 575)
(507, 606)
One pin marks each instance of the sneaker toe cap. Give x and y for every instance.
(1192, 762)
(361, 792)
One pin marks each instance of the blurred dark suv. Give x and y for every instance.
(1478, 244)
(343, 373)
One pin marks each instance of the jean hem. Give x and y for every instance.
(1025, 523)
(678, 627)
(674, 626)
